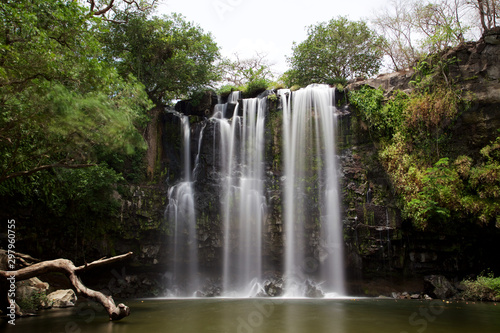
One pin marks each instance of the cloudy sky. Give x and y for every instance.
(269, 26)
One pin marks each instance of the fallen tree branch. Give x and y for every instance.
(115, 312)
(24, 260)
(103, 261)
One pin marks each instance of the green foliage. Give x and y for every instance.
(226, 89)
(34, 302)
(448, 192)
(287, 79)
(250, 89)
(385, 117)
(196, 96)
(432, 72)
(335, 51)
(251, 76)
(440, 24)
(50, 40)
(276, 85)
(78, 203)
(69, 121)
(58, 101)
(75, 194)
(272, 98)
(484, 288)
(440, 187)
(256, 86)
(169, 55)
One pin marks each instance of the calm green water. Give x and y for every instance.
(271, 315)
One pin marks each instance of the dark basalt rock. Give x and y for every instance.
(437, 286)
(274, 287)
(202, 107)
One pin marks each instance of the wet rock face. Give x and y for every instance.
(372, 223)
(208, 196)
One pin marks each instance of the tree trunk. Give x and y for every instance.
(115, 312)
(482, 14)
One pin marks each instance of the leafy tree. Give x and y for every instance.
(64, 113)
(58, 100)
(170, 56)
(335, 51)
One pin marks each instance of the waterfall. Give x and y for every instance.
(180, 213)
(243, 204)
(311, 195)
(310, 211)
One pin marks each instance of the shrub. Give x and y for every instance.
(484, 288)
(226, 89)
(255, 87)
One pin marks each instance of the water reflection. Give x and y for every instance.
(219, 315)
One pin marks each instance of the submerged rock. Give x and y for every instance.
(313, 291)
(211, 288)
(212, 291)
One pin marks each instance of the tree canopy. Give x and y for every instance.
(109, 10)
(170, 56)
(335, 51)
(58, 100)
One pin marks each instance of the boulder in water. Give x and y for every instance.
(62, 298)
(437, 286)
(274, 287)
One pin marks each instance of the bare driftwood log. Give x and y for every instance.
(116, 312)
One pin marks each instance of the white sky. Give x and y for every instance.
(269, 26)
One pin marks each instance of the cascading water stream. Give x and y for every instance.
(180, 213)
(311, 195)
(243, 203)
